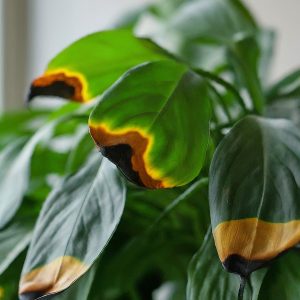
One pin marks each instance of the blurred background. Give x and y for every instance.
(33, 31)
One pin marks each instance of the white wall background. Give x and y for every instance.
(284, 17)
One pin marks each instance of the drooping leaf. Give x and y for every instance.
(254, 193)
(74, 226)
(13, 240)
(282, 279)
(286, 88)
(15, 172)
(19, 124)
(89, 66)
(154, 124)
(9, 281)
(208, 280)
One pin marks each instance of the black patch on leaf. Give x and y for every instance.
(56, 89)
(121, 155)
(241, 266)
(31, 296)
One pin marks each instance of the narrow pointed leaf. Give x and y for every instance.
(13, 240)
(154, 124)
(89, 66)
(286, 88)
(254, 193)
(15, 168)
(75, 224)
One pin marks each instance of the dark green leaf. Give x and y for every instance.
(282, 279)
(288, 87)
(208, 280)
(75, 224)
(254, 193)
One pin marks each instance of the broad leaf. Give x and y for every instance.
(208, 280)
(154, 124)
(254, 193)
(89, 66)
(74, 226)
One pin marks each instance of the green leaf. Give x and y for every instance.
(282, 279)
(286, 88)
(245, 56)
(146, 226)
(254, 193)
(154, 124)
(76, 222)
(199, 31)
(17, 170)
(14, 239)
(208, 280)
(89, 66)
(19, 124)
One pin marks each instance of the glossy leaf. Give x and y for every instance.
(15, 167)
(286, 88)
(199, 31)
(75, 224)
(245, 56)
(154, 124)
(89, 66)
(146, 226)
(282, 279)
(208, 280)
(254, 193)
(14, 239)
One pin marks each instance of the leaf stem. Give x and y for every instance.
(225, 84)
(242, 288)
(222, 103)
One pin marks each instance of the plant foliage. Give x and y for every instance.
(197, 170)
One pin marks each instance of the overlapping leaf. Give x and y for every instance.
(199, 31)
(254, 193)
(75, 224)
(16, 168)
(89, 66)
(154, 124)
(207, 279)
(286, 88)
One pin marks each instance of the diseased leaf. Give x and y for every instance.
(75, 224)
(208, 280)
(254, 193)
(154, 124)
(89, 66)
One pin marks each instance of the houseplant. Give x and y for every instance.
(210, 168)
